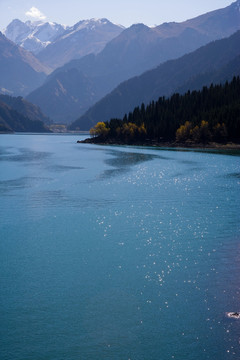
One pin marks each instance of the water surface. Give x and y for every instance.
(117, 252)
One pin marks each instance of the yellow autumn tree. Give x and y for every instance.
(100, 129)
(205, 134)
(129, 130)
(220, 132)
(142, 130)
(195, 134)
(183, 133)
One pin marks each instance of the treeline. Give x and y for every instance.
(212, 114)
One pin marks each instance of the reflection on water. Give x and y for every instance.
(20, 183)
(127, 159)
(56, 167)
(234, 175)
(23, 155)
(123, 161)
(58, 198)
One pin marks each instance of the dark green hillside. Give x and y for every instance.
(12, 121)
(212, 114)
(25, 108)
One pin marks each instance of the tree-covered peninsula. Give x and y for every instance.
(197, 117)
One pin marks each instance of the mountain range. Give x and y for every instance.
(31, 50)
(55, 44)
(85, 37)
(70, 90)
(216, 62)
(20, 71)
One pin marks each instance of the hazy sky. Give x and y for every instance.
(125, 12)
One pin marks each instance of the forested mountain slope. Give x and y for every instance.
(210, 114)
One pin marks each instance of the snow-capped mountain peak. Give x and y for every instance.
(33, 36)
(15, 30)
(88, 25)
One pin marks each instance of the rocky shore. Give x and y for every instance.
(166, 144)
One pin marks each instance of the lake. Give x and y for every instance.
(117, 253)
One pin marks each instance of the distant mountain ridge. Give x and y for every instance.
(85, 37)
(137, 49)
(33, 36)
(218, 61)
(55, 44)
(20, 71)
(225, 20)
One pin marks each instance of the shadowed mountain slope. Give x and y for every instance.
(215, 62)
(25, 108)
(20, 71)
(11, 121)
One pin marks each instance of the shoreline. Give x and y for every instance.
(166, 144)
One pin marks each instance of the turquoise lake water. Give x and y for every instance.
(117, 253)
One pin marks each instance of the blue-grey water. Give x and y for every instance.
(117, 253)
